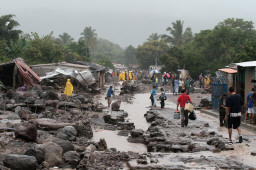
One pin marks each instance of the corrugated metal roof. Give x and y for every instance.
(246, 64)
(228, 70)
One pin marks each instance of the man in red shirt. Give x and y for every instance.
(182, 100)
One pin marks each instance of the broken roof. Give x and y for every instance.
(93, 66)
(246, 64)
(228, 70)
(28, 76)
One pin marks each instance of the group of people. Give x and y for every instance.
(181, 84)
(126, 75)
(205, 81)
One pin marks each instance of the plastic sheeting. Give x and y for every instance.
(82, 77)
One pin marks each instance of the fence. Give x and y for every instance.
(219, 86)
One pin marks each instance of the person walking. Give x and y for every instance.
(162, 98)
(176, 86)
(109, 94)
(187, 85)
(249, 104)
(154, 93)
(182, 100)
(235, 106)
(222, 109)
(200, 80)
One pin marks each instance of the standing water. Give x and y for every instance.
(136, 112)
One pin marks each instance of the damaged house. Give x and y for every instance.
(17, 73)
(98, 71)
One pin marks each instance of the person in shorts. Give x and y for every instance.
(249, 104)
(235, 106)
(109, 93)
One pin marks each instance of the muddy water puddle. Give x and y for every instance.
(136, 111)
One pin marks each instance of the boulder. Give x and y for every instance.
(52, 95)
(213, 141)
(51, 124)
(52, 103)
(64, 144)
(20, 162)
(116, 105)
(101, 145)
(84, 129)
(52, 153)
(137, 133)
(125, 125)
(13, 116)
(67, 133)
(26, 131)
(91, 148)
(38, 154)
(72, 158)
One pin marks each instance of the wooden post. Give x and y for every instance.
(15, 71)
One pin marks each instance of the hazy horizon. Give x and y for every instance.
(124, 22)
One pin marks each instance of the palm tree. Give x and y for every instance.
(7, 28)
(154, 36)
(89, 37)
(65, 38)
(178, 37)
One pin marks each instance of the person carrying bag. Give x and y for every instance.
(182, 100)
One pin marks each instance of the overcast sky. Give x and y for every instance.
(125, 22)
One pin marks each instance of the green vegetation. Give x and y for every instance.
(233, 40)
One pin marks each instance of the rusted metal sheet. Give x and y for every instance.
(28, 75)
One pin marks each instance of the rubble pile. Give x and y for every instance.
(42, 128)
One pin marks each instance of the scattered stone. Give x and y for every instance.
(26, 131)
(142, 161)
(253, 153)
(13, 116)
(20, 162)
(176, 148)
(91, 148)
(124, 133)
(52, 153)
(101, 145)
(116, 105)
(84, 129)
(67, 133)
(125, 126)
(64, 144)
(45, 165)
(72, 158)
(216, 150)
(206, 125)
(213, 141)
(137, 133)
(38, 154)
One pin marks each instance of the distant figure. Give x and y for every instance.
(200, 80)
(187, 85)
(153, 94)
(69, 88)
(182, 100)
(181, 83)
(235, 106)
(176, 86)
(222, 109)
(162, 98)
(249, 104)
(109, 94)
(156, 82)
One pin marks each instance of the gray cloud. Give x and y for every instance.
(124, 22)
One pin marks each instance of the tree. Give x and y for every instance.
(171, 59)
(178, 37)
(129, 55)
(16, 48)
(7, 28)
(154, 36)
(65, 38)
(3, 51)
(43, 50)
(149, 53)
(106, 62)
(248, 53)
(89, 37)
(80, 48)
(105, 48)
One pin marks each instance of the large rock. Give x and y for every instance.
(52, 103)
(84, 129)
(137, 132)
(20, 162)
(67, 133)
(125, 125)
(38, 154)
(64, 144)
(52, 153)
(101, 145)
(52, 95)
(13, 116)
(72, 158)
(24, 113)
(51, 124)
(116, 105)
(26, 131)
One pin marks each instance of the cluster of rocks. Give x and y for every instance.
(43, 128)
